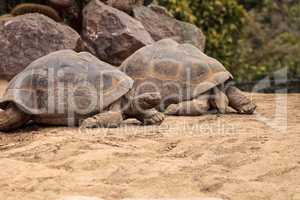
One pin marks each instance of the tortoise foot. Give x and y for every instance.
(103, 120)
(247, 109)
(195, 107)
(151, 117)
(172, 109)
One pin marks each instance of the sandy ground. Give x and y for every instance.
(226, 157)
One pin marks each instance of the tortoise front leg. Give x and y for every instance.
(219, 100)
(109, 119)
(150, 117)
(142, 107)
(194, 107)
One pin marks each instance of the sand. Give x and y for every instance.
(231, 156)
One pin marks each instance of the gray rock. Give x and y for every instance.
(25, 38)
(160, 10)
(112, 34)
(160, 24)
(61, 3)
(124, 5)
(147, 2)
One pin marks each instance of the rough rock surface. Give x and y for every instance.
(61, 3)
(160, 10)
(124, 5)
(112, 34)
(161, 25)
(25, 38)
(148, 2)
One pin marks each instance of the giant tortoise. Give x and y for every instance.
(69, 88)
(190, 82)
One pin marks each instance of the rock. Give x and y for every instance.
(61, 3)
(25, 38)
(160, 10)
(113, 34)
(124, 5)
(147, 2)
(159, 23)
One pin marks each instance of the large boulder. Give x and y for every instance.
(158, 22)
(112, 34)
(160, 10)
(61, 3)
(148, 2)
(25, 38)
(124, 5)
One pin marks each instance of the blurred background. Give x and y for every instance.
(252, 38)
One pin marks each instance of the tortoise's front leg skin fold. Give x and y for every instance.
(219, 100)
(239, 101)
(12, 118)
(110, 119)
(195, 107)
(151, 117)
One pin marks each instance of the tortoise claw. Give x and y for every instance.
(91, 122)
(247, 109)
(151, 117)
(156, 119)
(171, 110)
